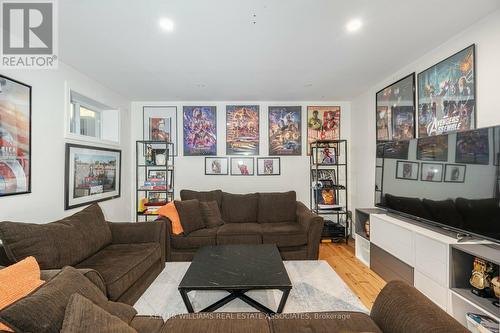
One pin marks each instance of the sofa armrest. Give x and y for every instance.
(400, 307)
(93, 275)
(313, 223)
(139, 232)
(168, 237)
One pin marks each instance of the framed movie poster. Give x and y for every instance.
(324, 155)
(216, 166)
(285, 130)
(15, 137)
(432, 172)
(407, 170)
(92, 174)
(395, 110)
(200, 130)
(447, 95)
(396, 150)
(323, 123)
(454, 173)
(473, 147)
(242, 166)
(268, 166)
(433, 148)
(160, 124)
(242, 130)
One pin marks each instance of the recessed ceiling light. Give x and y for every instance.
(166, 24)
(354, 25)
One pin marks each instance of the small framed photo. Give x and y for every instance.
(242, 166)
(216, 166)
(157, 174)
(432, 172)
(156, 197)
(268, 166)
(324, 155)
(407, 170)
(454, 173)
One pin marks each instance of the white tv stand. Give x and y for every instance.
(429, 258)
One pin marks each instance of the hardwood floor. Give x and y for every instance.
(365, 283)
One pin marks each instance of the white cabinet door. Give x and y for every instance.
(392, 238)
(430, 288)
(430, 259)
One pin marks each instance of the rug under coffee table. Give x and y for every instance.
(236, 269)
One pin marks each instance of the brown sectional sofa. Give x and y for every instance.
(256, 218)
(128, 256)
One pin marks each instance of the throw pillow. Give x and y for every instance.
(83, 316)
(211, 214)
(190, 214)
(170, 212)
(17, 281)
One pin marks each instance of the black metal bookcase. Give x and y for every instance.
(146, 158)
(328, 188)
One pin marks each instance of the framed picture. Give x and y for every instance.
(447, 95)
(242, 166)
(407, 170)
(92, 174)
(454, 173)
(433, 148)
(156, 197)
(242, 130)
(432, 172)
(473, 147)
(160, 124)
(322, 175)
(268, 166)
(216, 166)
(395, 110)
(200, 130)
(323, 123)
(285, 130)
(396, 150)
(15, 137)
(157, 174)
(324, 155)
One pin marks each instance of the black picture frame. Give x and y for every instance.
(463, 174)
(441, 165)
(69, 146)
(398, 163)
(243, 158)
(217, 158)
(3, 78)
(296, 110)
(465, 153)
(397, 150)
(174, 137)
(269, 158)
(433, 148)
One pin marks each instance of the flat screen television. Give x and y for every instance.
(451, 181)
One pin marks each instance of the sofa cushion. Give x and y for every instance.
(284, 234)
(147, 324)
(57, 244)
(202, 196)
(195, 240)
(221, 322)
(277, 207)
(412, 206)
(83, 316)
(211, 214)
(444, 211)
(121, 265)
(240, 208)
(239, 233)
(43, 310)
(480, 214)
(190, 215)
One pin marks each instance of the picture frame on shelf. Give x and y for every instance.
(323, 123)
(158, 174)
(157, 197)
(432, 172)
(325, 155)
(92, 174)
(160, 124)
(242, 129)
(285, 130)
(455, 173)
(242, 166)
(268, 166)
(216, 166)
(199, 130)
(407, 170)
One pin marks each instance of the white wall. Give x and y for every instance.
(189, 170)
(46, 202)
(486, 35)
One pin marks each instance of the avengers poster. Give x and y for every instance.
(447, 96)
(285, 135)
(242, 130)
(323, 123)
(200, 130)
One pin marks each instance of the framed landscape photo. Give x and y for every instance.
(268, 166)
(15, 137)
(216, 166)
(432, 172)
(285, 130)
(242, 166)
(407, 170)
(242, 130)
(447, 95)
(199, 130)
(454, 173)
(323, 123)
(92, 174)
(433, 148)
(160, 124)
(473, 147)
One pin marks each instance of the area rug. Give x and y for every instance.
(316, 287)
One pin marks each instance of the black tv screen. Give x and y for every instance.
(450, 180)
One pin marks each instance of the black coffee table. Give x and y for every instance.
(236, 269)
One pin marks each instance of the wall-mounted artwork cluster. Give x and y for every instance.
(430, 172)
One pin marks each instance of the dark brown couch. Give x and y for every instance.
(256, 218)
(128, 256)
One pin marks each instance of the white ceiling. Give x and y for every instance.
(295, 50)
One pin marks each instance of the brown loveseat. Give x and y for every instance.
(256, 218)
(128, 256)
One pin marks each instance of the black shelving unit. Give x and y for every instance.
(145, 162)
(328, 177)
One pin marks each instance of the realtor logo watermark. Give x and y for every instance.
(29, 34)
